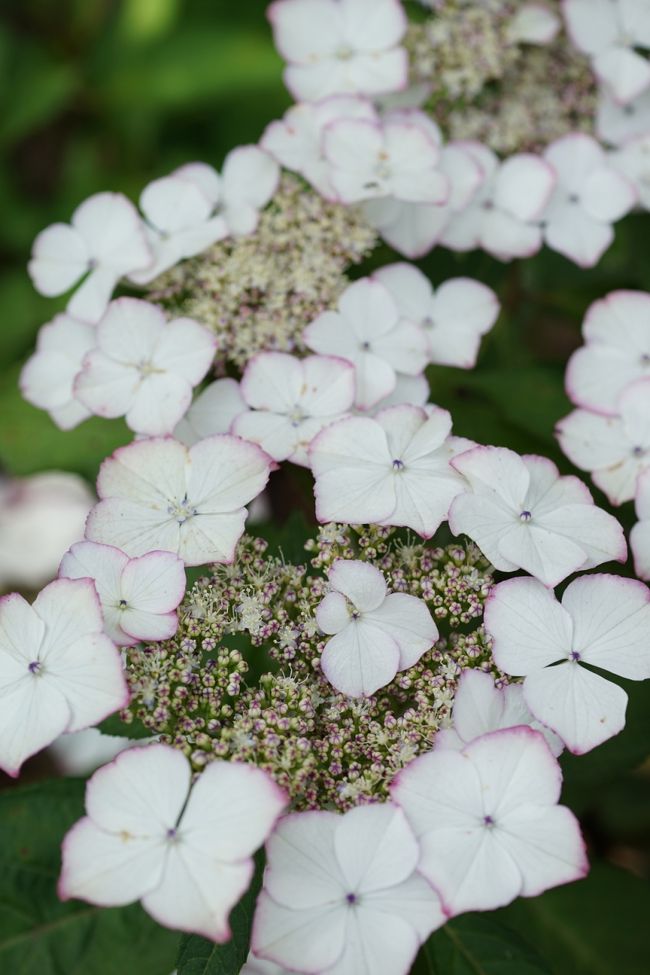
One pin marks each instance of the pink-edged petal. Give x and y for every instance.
(332, 613)
(173, 203)
(113, 231)
(574, 157)
(211, 537)
(105, 387)
(311, 938)
(506, 236)
(375, 847)
(623, 71)
(373, 25)
(213, 411)
(378, 942)
(640, 545)
(592, 24)
(33, 713)
(272, 381)
(408, 620)
(581, 707)
(159, 402)
(497, 473)
(109, 869)
(155, 582)
(576, 235)
(59, 258)
(591, 441)
(607, 195)
(360, 659)
(90, 675)
(226, 473)
(362, 583)
(134, 527)
(542, 552)
(328, 388)
(70, 610)
(595, 531)
(274, 432)
(487, 522)
(461, 312)
(529, 628)
(409, 287)
(130, 330)
(547, 847)
(249, 178)
(524, 185)
(141, 792)
(186, 349)
(406, 348)
(303, 871)
(611, 617)
(303, 32)
(516, 769)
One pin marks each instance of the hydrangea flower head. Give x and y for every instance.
(523, 515)
(340, 46)
(342, 894)
(184, 851)
(143, 367)
(104, 241)
(157, 494)
(393, 469)
(488, 822)
(374, 633)
(58, 671)
(602, 621)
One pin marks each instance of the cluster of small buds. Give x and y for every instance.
(549, 91)
(512, 96)
(257, 292)
(268, 701)
(461, 48)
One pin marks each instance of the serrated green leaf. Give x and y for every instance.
(198, 956)
(40, 935)
(476, 944)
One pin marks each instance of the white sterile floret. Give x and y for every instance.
(213, 411)
(618, 123)
(616, 352)
(633, 161)
(523, 515)
(391, 470)
(480, 707)
(534, 23)
(58, 670)
(296, 140)
(47, 378)
(412, 229)
(610, 32)
(375, 633)
(157, 494)
(104, 241)
(454, 317)
(603, 621)
(590, 196)
(368, 331)
(185, 851)
(342, 895)
(409, 390)
(488, 822)
(290, 400)
(139, 596)
(40, 517)
(640, 534)
(501, 217)
(394, 158)
(143, 367)
(249, 178)
(340, 46)
(180, 214)
(614, 449)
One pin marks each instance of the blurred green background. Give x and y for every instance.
(108, 94)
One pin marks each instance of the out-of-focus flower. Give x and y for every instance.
(290, 400)
(534, 23)
(501, 216)
(157, 494)
(104, 241)
(139, 596)
(481, 707)
(367, 331)
(589, 197)
(616, 352)
(618, 123)
(40, 518)
(615, 450)
(47, 378)
(488, 822)
(454, 317)
(58, 670)
(374, 633)
(611, 31)
(342, 894)
(184, 851)
(144, 368)
(640, 534)
(523, 515)
(213, 411)
(602, 621)
(392, 470)
(633, 160)
(340, 46)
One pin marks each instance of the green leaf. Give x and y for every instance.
(476, 944)
(120, 729)
(596, 927)
(40, 935)
(32, 442)
(198, 956)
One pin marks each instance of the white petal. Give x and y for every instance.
(332, 613)
(640, 545)
(303, 32)
(311, 938)
(158, 404)
(373, 25)
(302, 869)
(378, 942)
(213, 411)
(547, 847)
(505, 236)
(211, 537)
(543, 553)
(583, 708)
(496, 472)
(625, 72)
(461, 312)
(274, 432)
(611, 617)
(59, 258)
(360, 659)
(226, 473)
(534, 23)
(362, 583)
(155, 582)
(592, 24)
(272, 381)
(409, 287)
(113, 231)
(134, 526)
(595, 531)
(607, 195)
(328, 388)
(408, 620)
(33, 712)
(523, 186)
(105, 387)
(172, 204)
(529, 628)
(109, 869)
(375, 847)
(486, 521)
(186, 349)
(91, 298)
